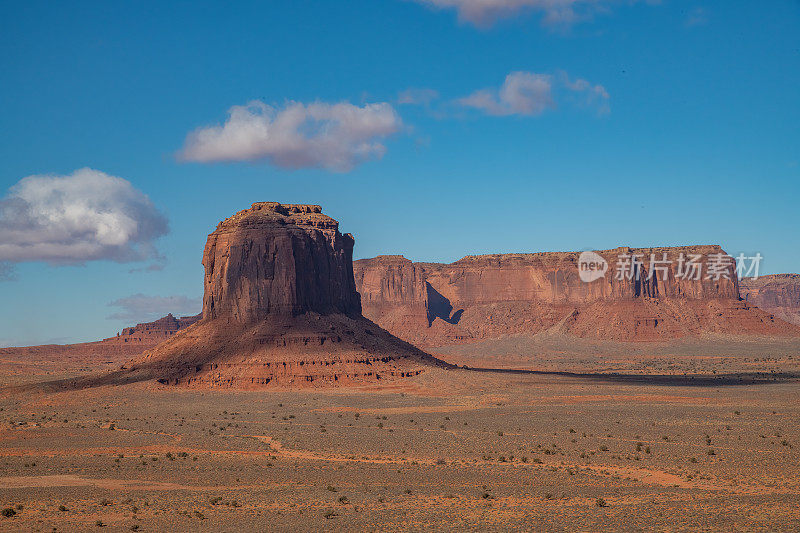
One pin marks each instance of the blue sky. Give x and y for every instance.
(658, 123)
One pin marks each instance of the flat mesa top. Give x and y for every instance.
(702, 249)
(261, 213)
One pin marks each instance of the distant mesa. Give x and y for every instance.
(488, 296)
(777, 293)
(280, 308)
(152, 333)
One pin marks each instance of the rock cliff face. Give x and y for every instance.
(275, 259)
(280, 308)
(777, 293)
(655, 295)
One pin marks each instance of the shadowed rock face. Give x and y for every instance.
(487, 296)
(275, 259)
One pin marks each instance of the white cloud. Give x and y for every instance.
(484, 13)
(143, 308)
(586, 94)
(85, 216)
(522, 93)
(531, 94)
(336, 137)
(416, 96)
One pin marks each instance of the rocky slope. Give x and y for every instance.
(777, 293)
(479, 297)
(280, 307)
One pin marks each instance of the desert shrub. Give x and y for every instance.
(9, 512)
(600, 502)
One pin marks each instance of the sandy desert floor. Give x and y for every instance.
(450, 450)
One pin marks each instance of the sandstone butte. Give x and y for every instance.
(488, 296)
(777, 293)
(280, 308)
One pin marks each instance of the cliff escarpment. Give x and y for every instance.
(643, 294)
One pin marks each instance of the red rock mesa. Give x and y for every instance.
(777, 293)
(280, 307)
(479, 297)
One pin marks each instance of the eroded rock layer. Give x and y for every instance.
(280, 308)
(655, 296)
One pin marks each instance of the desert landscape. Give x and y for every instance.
(400, 265)
(281, 407)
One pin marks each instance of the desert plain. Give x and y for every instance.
(454, 449)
